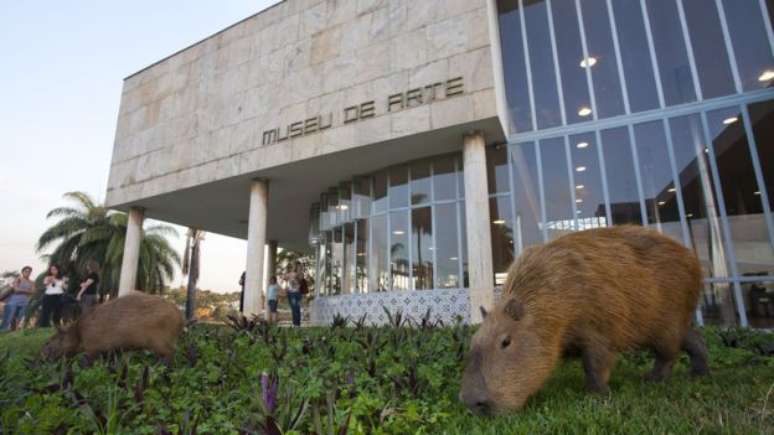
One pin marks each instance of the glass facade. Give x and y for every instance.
(646, 112)
(398, 229)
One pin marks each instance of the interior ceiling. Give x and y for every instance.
(222, 207)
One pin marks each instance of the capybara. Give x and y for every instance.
(134, 321)
(591, 294)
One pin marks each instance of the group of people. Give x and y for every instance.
(297, 287)
(54, 298)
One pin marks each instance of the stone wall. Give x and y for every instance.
(200, 115)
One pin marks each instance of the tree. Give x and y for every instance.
(191, 268)
(88, 231)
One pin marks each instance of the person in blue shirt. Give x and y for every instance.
(272, 293)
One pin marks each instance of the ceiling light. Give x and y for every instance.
(499, 222)
(757, 192)
(689, 215)
(584, 111)
(579, 187)
(578, 200)
(661, 202)
(399, 233)
(578, 212)
(671, 190)
(583, 145)
(453, 259)
(766, 76)
(730, 120)
(343, 207)
(588, 62)
(581, 169)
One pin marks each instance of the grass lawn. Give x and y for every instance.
(363, 380)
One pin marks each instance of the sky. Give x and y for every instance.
(61, 75)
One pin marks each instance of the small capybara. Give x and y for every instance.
(134, 321)
(591, 294)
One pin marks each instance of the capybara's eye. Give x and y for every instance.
(505, 343)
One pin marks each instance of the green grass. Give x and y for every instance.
(219, 387)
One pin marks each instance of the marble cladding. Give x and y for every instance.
(199, 115)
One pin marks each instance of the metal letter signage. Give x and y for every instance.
(358, 112)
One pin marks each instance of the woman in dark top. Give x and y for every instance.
(87, 295)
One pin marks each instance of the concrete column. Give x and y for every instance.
(477, 224)
(271, 266)
(256, 239)
(131, 258)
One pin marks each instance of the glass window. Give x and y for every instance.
(658, 185)
(693, 171)
(589, 194)
(361, 256)
(348, 266)
(497, 169)
(621, 181)
(635, 56)
(542, 62)
(422, 247)
(399, 250)
(446, 244)
(380, 192)
(444, 183)
(325, 268)
(345, 202)
(575, 85)
(379, 274)
(762, 120)
(420, 182)
(460, 178)
(515, 65)
(361, 198)
(464, 247)
(746, 220)
(717, 304)
(672, 56)
(747, 26)
(556, 183)
(527, 196)
(709, 48)
(502, 236)
(602, 59)
(398, 190)
(337, 261)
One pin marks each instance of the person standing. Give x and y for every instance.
(53, 297)
(87, 295)
(293, 278)
(272, 296)
(242, 293)
(16, 307)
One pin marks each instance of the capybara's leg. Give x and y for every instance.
(693, 344)
(666, 353)
(598, 361)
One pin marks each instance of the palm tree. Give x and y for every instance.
(191, 268)
(88, 231)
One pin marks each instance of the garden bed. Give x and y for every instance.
(364, 380)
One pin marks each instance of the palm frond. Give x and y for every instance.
(82, 198)
(64, 211)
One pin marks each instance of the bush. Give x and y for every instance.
(255, 378)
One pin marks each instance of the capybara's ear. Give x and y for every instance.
(484, 313)
(514, 309)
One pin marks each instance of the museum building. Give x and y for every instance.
(415, 148)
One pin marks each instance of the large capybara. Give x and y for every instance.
(134, 321)
(592, 294)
